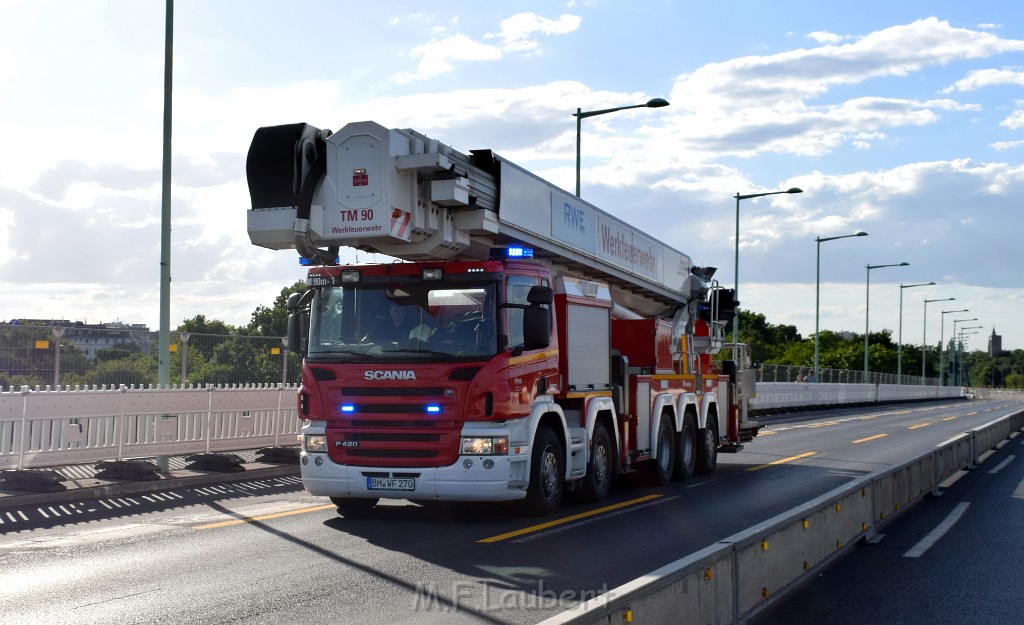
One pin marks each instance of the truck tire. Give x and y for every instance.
(547, 473)
(354, 508)
(707, 448)
(686, 449)
(663, 466)
(597, 484)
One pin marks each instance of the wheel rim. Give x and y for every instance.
(600, 465)
(549, 473)
(710, 443)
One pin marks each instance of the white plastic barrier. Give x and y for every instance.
(736, 578)
(61, 427)
(775, 395)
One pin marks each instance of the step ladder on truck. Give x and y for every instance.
(523, 344)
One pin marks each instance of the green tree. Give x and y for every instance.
(201, 325)
(273, 320)
(136, 369)
(767, 341)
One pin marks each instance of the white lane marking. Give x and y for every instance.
(933, 537)
(1002, 465)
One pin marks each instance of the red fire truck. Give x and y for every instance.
(522, 343)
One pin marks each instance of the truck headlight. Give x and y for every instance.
(314, 443)
(485, 445)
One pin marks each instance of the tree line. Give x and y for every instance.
(220, 353)
(783, 345)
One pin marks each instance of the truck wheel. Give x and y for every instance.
(601, 469)
(664, 464)
(354, 508)
(707, 454)
(686, 449)
(547, 473)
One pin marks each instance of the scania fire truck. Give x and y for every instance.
(521, 344)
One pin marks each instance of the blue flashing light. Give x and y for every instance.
(520, 252)
(512, 251)
(305, 262)
(348, 408)
(433, 409)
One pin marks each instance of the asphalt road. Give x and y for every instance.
(957, 558)
(267, 552)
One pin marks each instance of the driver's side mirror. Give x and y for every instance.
(298, 321)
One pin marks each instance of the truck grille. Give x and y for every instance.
(397, 431)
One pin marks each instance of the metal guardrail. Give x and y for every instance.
(734, 579)
(46, 428)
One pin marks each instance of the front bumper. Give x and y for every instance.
(468, 479)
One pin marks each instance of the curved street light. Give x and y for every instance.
(899, 348)
(817, 295)
(867, 310)
(942, 339)
(955, 342)
(736, 262)
(924, 335)
(961, 369)
(581, 114)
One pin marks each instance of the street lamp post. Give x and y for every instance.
(962, 369)
(956, 352)
(899, 348)
(736, 261)
(867, 310)
(942, 338)
(817, 296)
(924, 334)
(580, 115)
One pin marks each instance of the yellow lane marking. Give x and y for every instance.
(783, 461)
(823, 424)
(919, 425)
(870, 438)
(949, 418)
(252, 519)
(568, 519)
(972, 413)
(766, 433)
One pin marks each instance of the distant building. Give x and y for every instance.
(995, 345)
(92, 338)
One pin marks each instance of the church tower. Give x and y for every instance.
(995, 344)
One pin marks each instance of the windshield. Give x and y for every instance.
(423, 321)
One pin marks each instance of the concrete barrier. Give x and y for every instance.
(733, 580)
(784, 395)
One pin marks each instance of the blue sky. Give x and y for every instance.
(905, 120)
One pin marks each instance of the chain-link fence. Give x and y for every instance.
(792, 373)
(80, 355)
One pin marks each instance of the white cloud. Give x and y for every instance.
(1015, 121)
(518, 32)
(436, 57)
(982, 78)
(822, 36)
(1007, 145)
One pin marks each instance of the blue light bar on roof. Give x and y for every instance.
(305, 262)
(512, 251)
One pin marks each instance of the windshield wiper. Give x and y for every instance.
(430, 352)
(327, 355)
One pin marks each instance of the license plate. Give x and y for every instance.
(391, 483)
